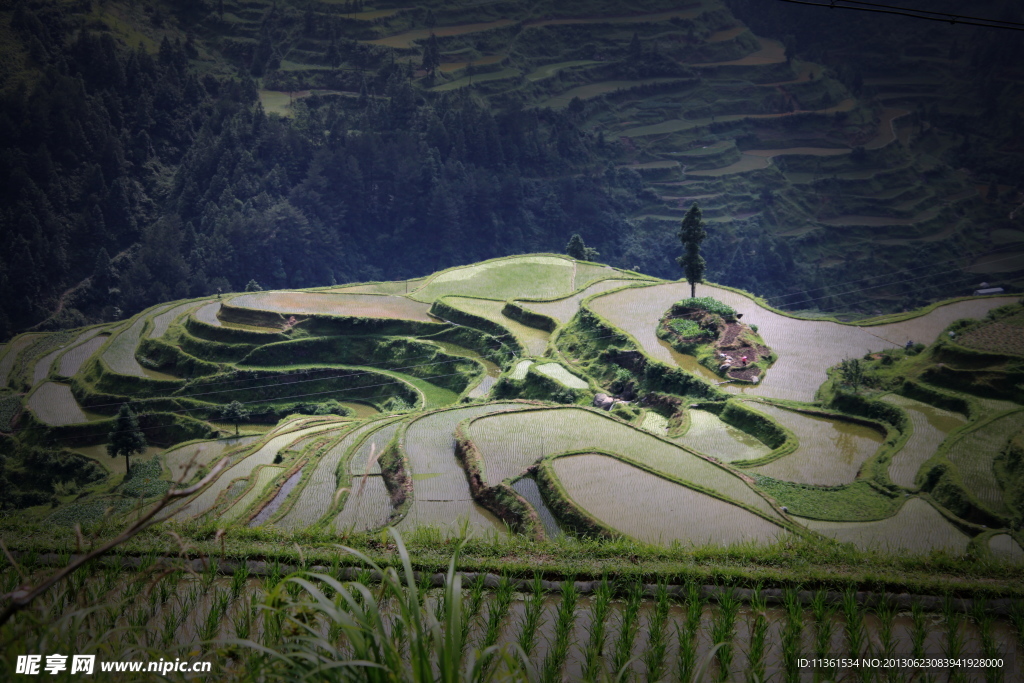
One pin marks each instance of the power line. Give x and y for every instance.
(943, 17)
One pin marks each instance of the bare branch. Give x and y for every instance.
(22, 599)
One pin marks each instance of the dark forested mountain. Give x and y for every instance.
(153, 151)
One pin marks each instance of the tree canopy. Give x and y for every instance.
(126, 438)
(691, 234)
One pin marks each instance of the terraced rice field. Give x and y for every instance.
(400, 287)
(974, 454)
(707, 434)
(591, 90)
(334, 303)
(534, 340)
(275, 503)
(448, 67)
(1005, 336)
(1005, 548)
(120, 353)
(881, 221)
(368, 506)
(807, 151)
(360, 410)
(12, 350)
(116, 465)
(998, 262)
(727, 34)
(360, 462)
(208, 314)
(317, 497)
(408, 39)
(557, 372)
(886, 128)
(549, 70)
(42, 367)
(483, 388)
(526, 277)
(520, 370)
(162, 322)
(654, 423)
(771, 52)
(244, 468)
(931, 426)
(73, 359)
(55, 405)
(528, 489)
(806, 348)
(265, 476)
(440, 491)
(747, 162)
(650, 17)
(563, 310)
(451, 517)
(186, 461)
(655, 510)
(916, 528)
(510, 442)
(275, 102)
(508, 72)
(830, 452)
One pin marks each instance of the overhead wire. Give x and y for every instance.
(944, 17)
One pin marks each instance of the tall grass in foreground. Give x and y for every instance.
(656, 651)
(558, 652)
(629, 627)
(600, 608)
(533, 616)
(824, 630)
(431, 648)
(792, 631)
(687, 633)
(758, 627)
(723, 630)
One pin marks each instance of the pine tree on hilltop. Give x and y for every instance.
(691, 234)
(126, 438)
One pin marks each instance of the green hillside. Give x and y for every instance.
(556, 436)
(418, 375)
(310, 144)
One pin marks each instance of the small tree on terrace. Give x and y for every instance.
(691, 234)
(235, 412)
(852, 372)
(579, 250)
(126, 438)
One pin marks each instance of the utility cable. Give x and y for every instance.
(944, 17)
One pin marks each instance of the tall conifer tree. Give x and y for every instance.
(691, 234)
(126, 438)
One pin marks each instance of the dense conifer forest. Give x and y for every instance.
(139, 165)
